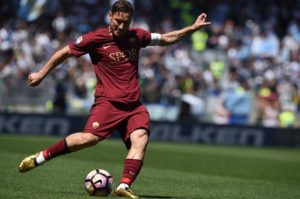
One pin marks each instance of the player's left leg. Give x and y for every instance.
(71, 143)
(98, 126)
(133, 162)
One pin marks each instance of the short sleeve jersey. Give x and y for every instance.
(115, 62)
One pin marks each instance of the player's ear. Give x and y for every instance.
(110, 15)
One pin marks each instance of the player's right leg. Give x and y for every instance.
(73, 142)
(133, 163)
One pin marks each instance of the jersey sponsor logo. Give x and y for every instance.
(79, 40)
(118, 57)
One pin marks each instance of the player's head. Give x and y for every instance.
(120, 16)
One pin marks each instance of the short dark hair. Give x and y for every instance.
(122, 6)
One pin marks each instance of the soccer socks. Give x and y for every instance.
(40, 159)
(131, 170)
(60, 148)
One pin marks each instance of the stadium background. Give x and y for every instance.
(226, 84)
(243, 69)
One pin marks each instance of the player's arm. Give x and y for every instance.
(34, 79)
(176, 36)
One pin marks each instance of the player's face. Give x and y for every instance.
(119, 23)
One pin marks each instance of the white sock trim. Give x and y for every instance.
(40, 158)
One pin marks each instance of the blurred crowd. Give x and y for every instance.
(242, 69)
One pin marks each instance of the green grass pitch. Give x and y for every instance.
(170, 171)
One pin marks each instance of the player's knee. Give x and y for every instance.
(144, 139)
(88, 139)
(140, 140)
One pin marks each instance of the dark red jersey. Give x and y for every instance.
(115, 62)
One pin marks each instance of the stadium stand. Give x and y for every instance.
(243, 69)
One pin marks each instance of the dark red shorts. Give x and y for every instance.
(105, 117)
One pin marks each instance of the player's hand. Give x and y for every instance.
(34, 79)
(201, 21)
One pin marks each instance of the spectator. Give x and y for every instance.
(262, 48)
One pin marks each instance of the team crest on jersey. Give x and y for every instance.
(79, 40)
(132, 40)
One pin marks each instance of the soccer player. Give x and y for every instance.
(114, 52)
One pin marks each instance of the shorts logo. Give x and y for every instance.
(95, 125)
(79, 40)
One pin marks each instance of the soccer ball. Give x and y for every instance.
(98, 182)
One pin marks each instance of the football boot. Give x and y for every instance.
(125, 192)
(28, 163)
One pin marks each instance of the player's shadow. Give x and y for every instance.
(160, 197)
(170, 197)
